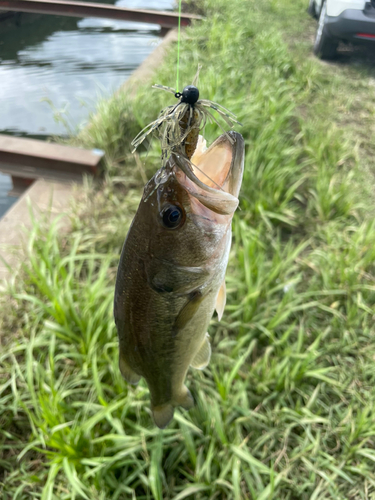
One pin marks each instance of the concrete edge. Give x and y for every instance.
(44, 199)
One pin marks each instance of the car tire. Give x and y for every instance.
(311, 9)
(325, 47)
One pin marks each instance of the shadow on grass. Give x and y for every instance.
(361, 56)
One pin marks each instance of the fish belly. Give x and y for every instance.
(186, 344)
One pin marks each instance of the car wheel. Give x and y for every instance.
(311, 9)
(325, 47)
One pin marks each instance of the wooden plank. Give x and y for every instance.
(30, 159)
(86, 9)
(53, 174)
(49, 150)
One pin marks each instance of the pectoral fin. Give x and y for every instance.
(221, 300)
(187, 312)
(203, 356)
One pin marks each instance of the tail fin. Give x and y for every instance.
(163, 414)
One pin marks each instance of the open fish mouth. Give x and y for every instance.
(214, 174)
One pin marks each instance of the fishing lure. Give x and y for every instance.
(178, 126)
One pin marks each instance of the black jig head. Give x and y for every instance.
(189, 95)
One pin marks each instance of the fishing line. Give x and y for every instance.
(178, 43)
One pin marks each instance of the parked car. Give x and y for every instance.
(342, 20)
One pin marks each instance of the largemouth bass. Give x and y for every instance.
(172, 269)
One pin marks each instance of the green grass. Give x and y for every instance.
(285, 409)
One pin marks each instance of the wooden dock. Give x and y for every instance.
(27, 159)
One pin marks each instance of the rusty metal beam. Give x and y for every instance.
(31, 159)
(85, 9)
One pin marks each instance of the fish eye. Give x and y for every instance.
(172, 216)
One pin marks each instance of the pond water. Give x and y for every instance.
(53, 70)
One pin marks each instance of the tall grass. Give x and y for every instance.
(285, 409)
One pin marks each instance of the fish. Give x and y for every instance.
(171, 273)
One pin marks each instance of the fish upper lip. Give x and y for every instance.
(234, 177)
